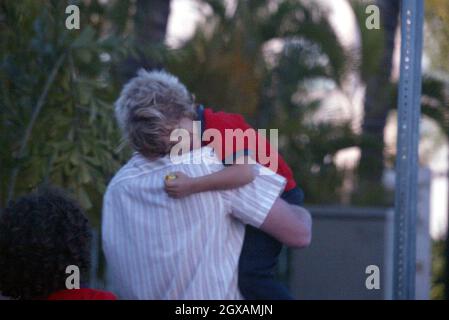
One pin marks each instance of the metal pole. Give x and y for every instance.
(409, 109)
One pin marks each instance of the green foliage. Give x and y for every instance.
(309, 146)
(438, 267)
(437, 28)
(73, 137)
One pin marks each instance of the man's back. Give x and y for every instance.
(157, 247)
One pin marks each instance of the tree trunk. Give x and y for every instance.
(378, 101)
(150, 28)
(446, 256)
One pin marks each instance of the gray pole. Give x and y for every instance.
(409, 109)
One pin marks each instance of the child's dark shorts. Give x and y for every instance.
(259, 258)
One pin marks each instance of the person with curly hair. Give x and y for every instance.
(41, 234)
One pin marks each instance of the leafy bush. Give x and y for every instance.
(56, 95)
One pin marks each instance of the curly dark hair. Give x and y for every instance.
(40, 235)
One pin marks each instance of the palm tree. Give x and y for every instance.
(234, 69)
(376, 67)
(56, 103)
(149, 31)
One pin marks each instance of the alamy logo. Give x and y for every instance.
(373, 279)
(373, 20)
(73, 280)
(73, 20)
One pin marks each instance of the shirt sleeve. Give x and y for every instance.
(252, 202)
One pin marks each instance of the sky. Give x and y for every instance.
(186, 14)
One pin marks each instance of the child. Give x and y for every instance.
(41, 234)
(260, 251)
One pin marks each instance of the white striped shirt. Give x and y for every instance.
(157, 247)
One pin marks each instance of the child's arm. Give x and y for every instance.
(230, 177)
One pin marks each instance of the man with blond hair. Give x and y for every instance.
(158, 247)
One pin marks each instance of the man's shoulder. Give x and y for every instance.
(127, 173)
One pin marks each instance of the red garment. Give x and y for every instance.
(82, 294)
(222, 121)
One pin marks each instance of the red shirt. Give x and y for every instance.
(82, 294)
(222, 121)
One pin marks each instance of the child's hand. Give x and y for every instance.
(180, 187)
